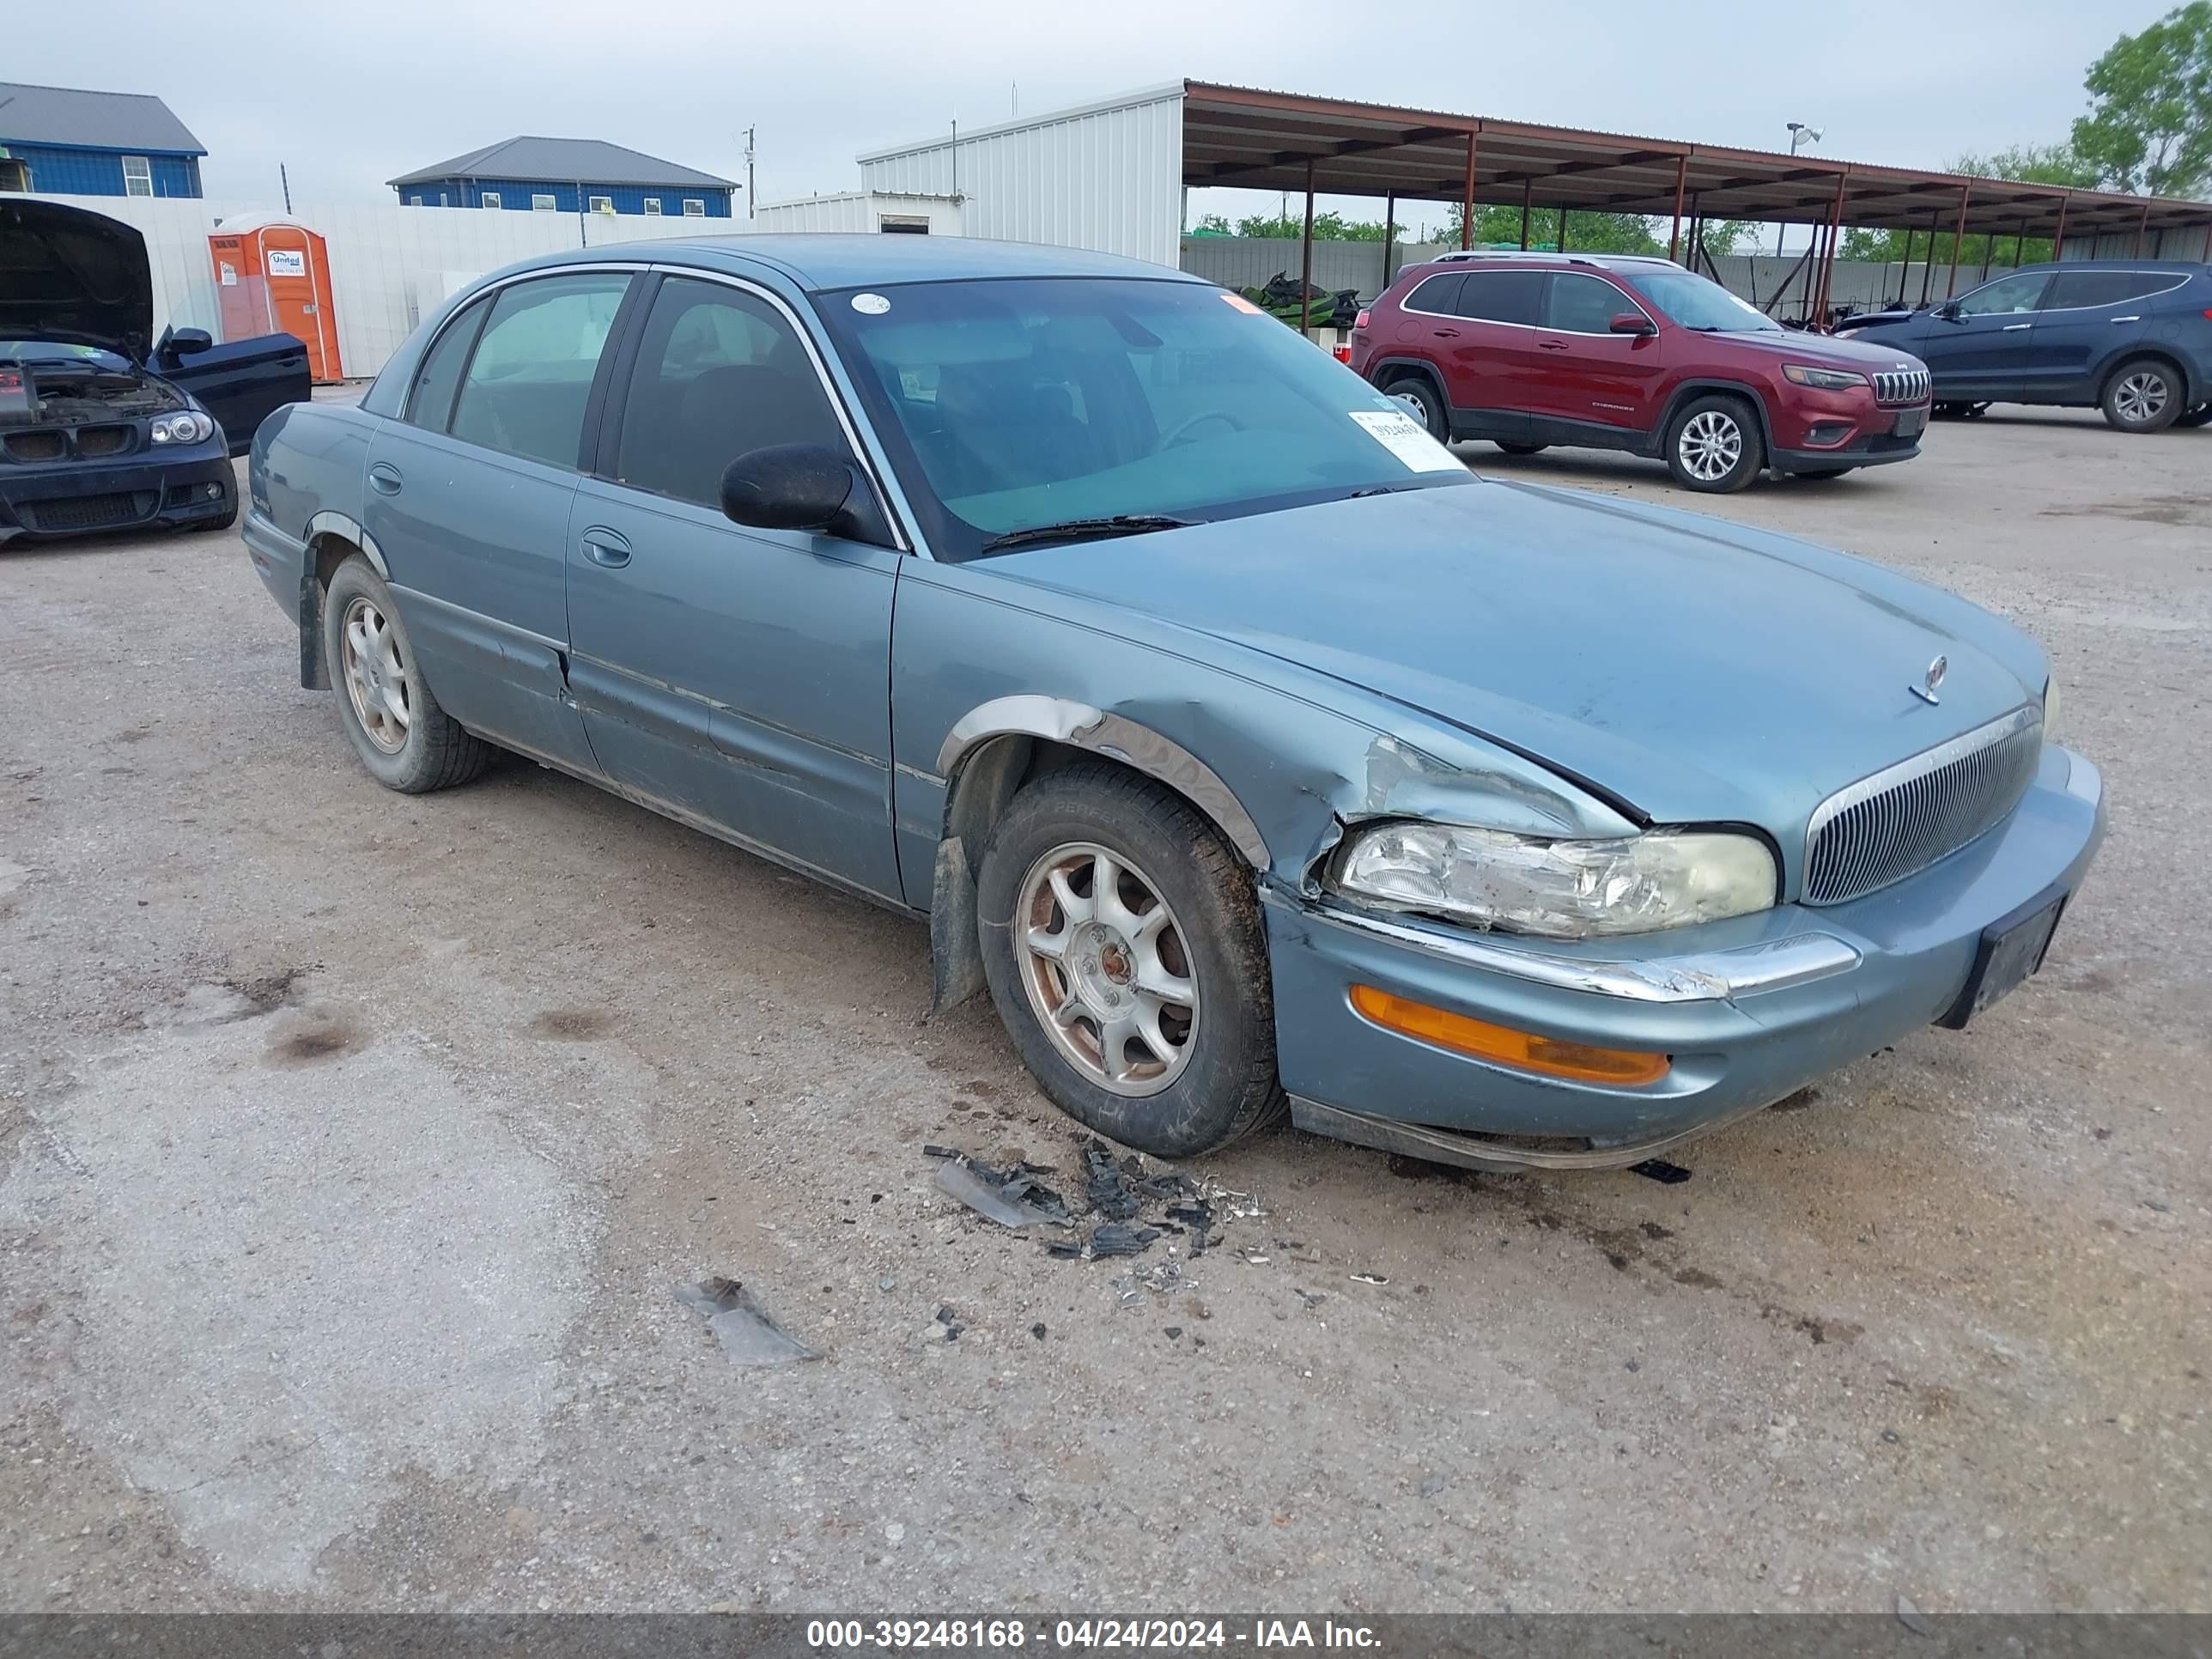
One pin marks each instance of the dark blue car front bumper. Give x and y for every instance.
(193, 485)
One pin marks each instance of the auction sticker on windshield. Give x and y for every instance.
(1404, 437)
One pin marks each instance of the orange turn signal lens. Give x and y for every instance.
(1504, 1046)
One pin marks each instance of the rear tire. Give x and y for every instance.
(1714, 445)
(1520, 449)
(407, 742)
(1425, 403)
(1192, 1066)
(2143, 395)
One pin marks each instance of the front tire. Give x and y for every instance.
(2144, 395)
(407, 742)
(1122, 942)
(1714, 446)
(1424, 403)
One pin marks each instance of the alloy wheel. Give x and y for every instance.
(2140, 397)
(1710, 445)
(1106, 970)
(374, 677)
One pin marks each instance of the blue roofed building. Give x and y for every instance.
(566, 175)
(68, 141)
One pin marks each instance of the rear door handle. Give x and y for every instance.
(1552, 345)
(605, 547)
(2127, 319)
(1445, 333)
(2014, 328)
(384, 478)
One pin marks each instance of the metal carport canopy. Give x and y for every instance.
(1254, 139)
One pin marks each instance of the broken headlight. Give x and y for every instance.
(1559, 889)
(189, 428)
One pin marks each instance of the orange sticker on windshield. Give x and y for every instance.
(1244, 304)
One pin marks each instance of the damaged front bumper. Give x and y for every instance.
(194, 485)
(1747, 1011)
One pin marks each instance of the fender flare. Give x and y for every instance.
(1697, 387)
(1063, 720)
(327, 523)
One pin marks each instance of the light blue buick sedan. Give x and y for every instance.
(1250, 750)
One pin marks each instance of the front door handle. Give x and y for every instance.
(605, 547)
(384, 478)
(2014, 328)
(1552, 345)
(2127, 319)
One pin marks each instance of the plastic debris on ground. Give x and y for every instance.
(748, 1335)
(1013, 1197)
(1659, 1170)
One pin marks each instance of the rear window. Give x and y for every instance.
(1437, 296)
(2072, 289)
(1501, 296)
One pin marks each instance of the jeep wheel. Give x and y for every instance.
(1123, 941)
(1714, 445)
(406, 740)
(2143, 396)
(1420, 395)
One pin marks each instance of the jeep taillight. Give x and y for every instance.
(1360, 321)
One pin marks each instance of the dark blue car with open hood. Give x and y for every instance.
(102, 427)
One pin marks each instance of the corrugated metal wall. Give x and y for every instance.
(57, 171)
(1108, 178)
(2191, 244)
(858, 210)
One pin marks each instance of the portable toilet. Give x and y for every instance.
(273, 276)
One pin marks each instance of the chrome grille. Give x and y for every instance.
(1900, 385)
(1882, 829)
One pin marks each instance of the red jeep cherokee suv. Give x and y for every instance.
(1625, 352)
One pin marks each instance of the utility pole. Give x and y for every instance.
(749, 173)
(285, 180)
(1799, 134)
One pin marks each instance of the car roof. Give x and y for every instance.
(858, 259)
(1548, 258)
(2101, 264)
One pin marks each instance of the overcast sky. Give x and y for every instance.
(348, 95)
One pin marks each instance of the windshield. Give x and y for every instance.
(1689, 301)
(1011, 404)
(57, 351)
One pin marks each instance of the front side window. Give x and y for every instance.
(1699, 304)
(2083, 289)
(1575, 304)
(1012, 405)
(2006, 296)
(1436, 295)
(719, 373)
(137, 176)
(1501, 296)
(438, 376)
(527, 385)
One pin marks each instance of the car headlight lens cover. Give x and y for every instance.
(1827, 379)
(189, 428)
(1560, 889)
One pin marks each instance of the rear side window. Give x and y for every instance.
(1583, 305)
(1436, 295)
(527, 385)
(438, 376)
(719, 372)
(2072, 289)
(1501, 296)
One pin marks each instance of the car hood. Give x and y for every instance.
(1834, 351)
(1691, 670)
(72, 275)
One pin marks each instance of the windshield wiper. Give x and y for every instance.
(1078, 530)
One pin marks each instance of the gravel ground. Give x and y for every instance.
(350, 1146)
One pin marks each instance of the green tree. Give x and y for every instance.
(1329, 226)
(2149, 126)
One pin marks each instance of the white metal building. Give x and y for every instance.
(861, 211)
(1106, 176)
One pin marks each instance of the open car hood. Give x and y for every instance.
(75, 276)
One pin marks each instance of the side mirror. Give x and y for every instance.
(1948, 311)
(800, 487)
(182, 341)
(1632, 322)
